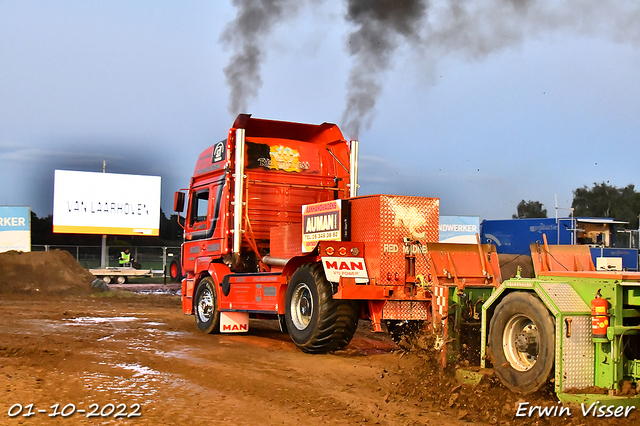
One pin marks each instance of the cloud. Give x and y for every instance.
(31, 168)
(22, 153)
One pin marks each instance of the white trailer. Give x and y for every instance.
(120, 274)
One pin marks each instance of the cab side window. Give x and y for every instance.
(199, 206)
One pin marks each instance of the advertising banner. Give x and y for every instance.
(459, 229)
(15, 228)
(106, 203)
(321, 222)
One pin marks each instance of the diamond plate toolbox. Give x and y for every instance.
(407, 310)
(382, 221)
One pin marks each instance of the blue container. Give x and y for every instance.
(513, 236)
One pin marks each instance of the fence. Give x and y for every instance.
(156, 258)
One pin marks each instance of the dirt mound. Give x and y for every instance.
(53, 272)
(509, 265)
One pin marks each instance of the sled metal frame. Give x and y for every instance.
(566, 282)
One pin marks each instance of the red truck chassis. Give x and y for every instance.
(274, 229)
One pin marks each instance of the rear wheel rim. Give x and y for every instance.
(205, 305)
(301, 306)
(520, 342)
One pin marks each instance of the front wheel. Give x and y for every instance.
(522, 342)
(316, 322)
(206, 309)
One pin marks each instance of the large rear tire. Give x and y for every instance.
(206, 309)
(522, 342)
(316, 322)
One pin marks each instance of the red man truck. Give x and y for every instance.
(274, 229)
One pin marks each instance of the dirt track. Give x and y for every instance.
(62, 344)
(132, 349)
(85, 350)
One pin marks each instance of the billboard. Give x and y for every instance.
(15, 228)
(106, 203)
(459, 229)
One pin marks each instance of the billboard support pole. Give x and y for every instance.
(103, 253)
(103, 249)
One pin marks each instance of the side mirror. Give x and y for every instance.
(178, 202)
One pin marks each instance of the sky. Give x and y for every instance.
(479, 103)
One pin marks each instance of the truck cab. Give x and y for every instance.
(247, 192)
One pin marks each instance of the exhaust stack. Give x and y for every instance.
(353, 169)
(238, 201)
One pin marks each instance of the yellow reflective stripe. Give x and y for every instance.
(66, 229)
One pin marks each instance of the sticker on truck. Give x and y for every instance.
(348, 267)
(321, 222)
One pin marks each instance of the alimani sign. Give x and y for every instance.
(15, 228)
(106, 203)
(321, 222)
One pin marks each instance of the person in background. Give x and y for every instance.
(125, 258)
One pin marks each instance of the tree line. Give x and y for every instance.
(601, 200)
(42, 234)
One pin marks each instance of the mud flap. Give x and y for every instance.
(234, 322)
